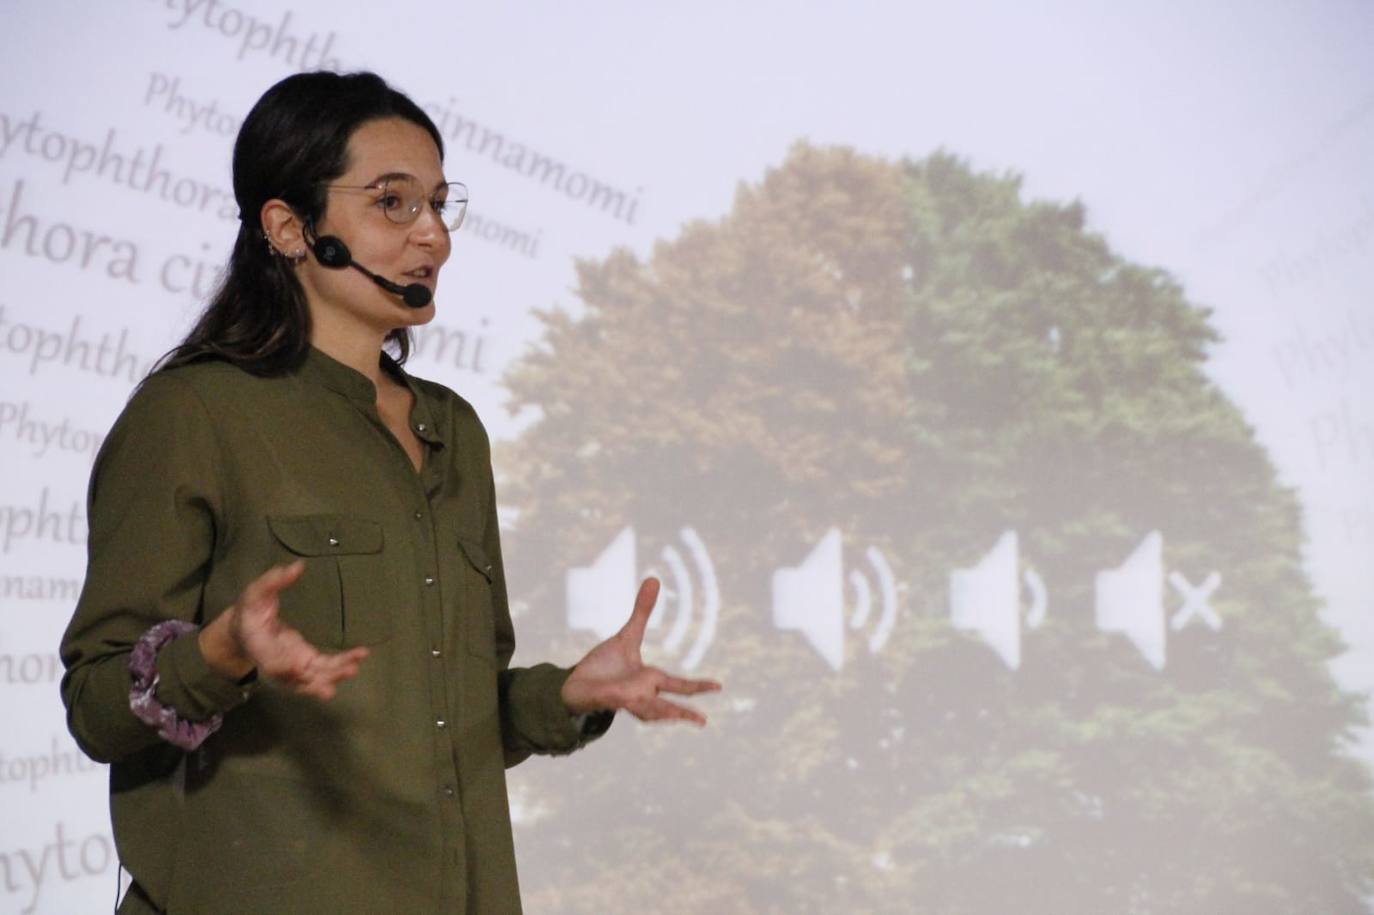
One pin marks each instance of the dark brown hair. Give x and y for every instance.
(293, 141)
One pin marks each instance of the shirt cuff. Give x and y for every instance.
(547, 723)
(187, 684)
(593, 724)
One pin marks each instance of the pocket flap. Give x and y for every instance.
(477, 557)
(326, 535)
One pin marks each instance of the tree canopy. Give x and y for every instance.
(913, 354)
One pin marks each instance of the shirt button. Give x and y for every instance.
(441, 724)
(419, 515)
(333, 541)
(420, 427)
(434, 653)
(448, 791)
(428, 581)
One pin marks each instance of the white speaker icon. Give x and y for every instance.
(809, 598)
(1130, 599)
(986, 599)
(601, 595)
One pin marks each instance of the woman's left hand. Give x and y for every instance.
(612, 676)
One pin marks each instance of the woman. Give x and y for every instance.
(293, 640)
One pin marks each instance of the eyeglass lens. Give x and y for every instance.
(404, 199)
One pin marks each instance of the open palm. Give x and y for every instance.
(613, 676)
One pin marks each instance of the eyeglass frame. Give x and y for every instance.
(381, 185)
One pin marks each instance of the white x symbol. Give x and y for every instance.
(1195, 601)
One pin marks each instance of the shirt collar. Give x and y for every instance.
(423, 421)
(321, 368)
(324, 369)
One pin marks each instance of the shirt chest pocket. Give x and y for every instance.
(477, 607)
(343, 598)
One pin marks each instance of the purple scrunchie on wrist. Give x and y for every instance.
(142, 696)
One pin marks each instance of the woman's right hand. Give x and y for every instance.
(250, 635)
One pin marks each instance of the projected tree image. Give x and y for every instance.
(1105, 688)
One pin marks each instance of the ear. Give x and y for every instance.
(283, 228)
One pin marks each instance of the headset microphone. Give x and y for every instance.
(332, 252)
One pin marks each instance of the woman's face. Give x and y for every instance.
(344, 300)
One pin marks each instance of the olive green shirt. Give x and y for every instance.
(391, 797)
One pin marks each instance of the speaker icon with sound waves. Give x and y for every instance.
(600, 595)
(986, 599)
(810, 599)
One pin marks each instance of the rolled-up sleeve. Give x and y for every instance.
(153, 506)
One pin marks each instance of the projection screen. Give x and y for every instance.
(987, 383)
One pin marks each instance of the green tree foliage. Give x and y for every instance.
(913, 354)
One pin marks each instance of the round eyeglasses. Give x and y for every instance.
(401, 198)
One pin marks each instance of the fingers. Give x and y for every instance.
(320, 674)
(643, 699)
(259, 598)
(336, 668)
(324, 683)
(660, 709)
(284, 655)
(644, 605)
(275, 580)
(685, 687)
